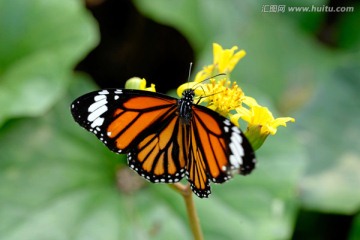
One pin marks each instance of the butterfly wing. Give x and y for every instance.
(142, 124)
(217, 150)
(160, 155)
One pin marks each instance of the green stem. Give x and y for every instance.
(186, 192)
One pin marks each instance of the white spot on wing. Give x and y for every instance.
(227, 122)
(234, 162)
(236, 129)
(99, 97)
(237, 148)
(236, 137)
(104, 92)
(97, 122)
(97, 113)
(97, 105)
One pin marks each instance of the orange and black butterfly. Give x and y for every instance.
(166, 138)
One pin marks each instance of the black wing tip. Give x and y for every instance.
(224, 176)
(249, 164)
(201, 193)
(249, 158)
(246, 169)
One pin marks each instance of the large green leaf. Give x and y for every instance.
(330, 131)
(41, 41)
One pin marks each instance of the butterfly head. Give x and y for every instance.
(188, 94)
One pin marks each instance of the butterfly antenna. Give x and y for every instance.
(190, 67)
(189, 71)
(207, 79)
(205, 96)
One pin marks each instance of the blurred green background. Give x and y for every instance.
(57, 181)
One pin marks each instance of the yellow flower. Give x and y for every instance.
(225, 97)
(139, 83)
(261, 123)
(221, 96)
(224, 62)
(261, 116)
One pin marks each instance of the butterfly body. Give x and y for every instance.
(166, 138)
(185, 106)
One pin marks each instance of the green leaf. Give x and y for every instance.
(349, 33)
(330, 132)
(355, 228)
(43, 42)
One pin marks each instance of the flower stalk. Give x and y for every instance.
(187, 195)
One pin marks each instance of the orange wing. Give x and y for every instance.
(143, 124)
(217, 149)
(160, 155)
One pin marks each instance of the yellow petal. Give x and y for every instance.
(245, 114)
(217, 52)
(262, 115)
(151, 88)
(282, 121)
(226, 59)
(249, 101)
(235, 59)
(234, 118)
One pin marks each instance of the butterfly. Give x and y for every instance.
(166, 138)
